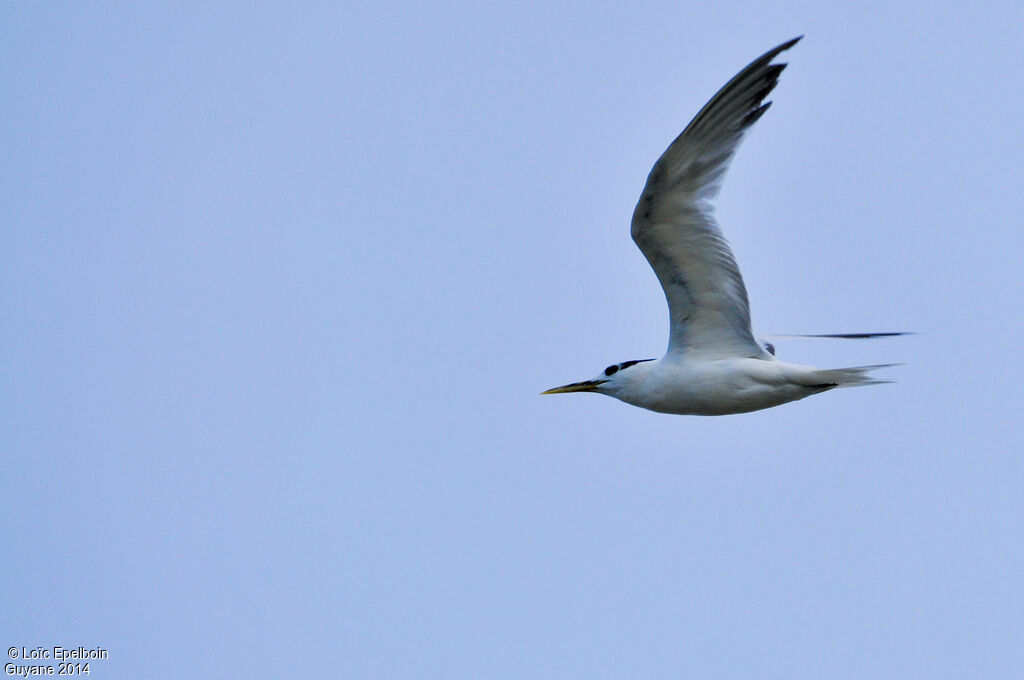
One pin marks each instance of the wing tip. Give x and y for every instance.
(776, 51)
(789, 43)
(841, 336)
(754, 115)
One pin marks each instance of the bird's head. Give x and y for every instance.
(610, 381)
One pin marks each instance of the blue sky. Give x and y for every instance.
(281, 286)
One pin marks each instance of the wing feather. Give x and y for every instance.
(674, 226)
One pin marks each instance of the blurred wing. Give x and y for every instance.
(842, 336)
(674, 227)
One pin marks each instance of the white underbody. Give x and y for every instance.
(717, 387)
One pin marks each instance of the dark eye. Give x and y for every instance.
(611, 370)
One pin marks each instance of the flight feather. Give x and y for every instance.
(674, 227)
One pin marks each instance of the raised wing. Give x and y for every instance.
(674, 227)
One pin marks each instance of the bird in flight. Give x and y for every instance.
(714, 365)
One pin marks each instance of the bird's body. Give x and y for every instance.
(676, 384)
(714, 365)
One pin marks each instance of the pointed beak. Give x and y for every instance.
(585, 386)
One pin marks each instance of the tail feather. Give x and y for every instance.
(854, 376)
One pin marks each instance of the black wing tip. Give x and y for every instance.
(789, 43)
(853, 336)
(864, 336)
(778, 49)
(754, 115)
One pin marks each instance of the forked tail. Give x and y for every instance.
(850, 377)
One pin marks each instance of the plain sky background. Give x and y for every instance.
(281, 284)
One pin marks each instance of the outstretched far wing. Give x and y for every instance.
(674, 227)
(840, 336)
